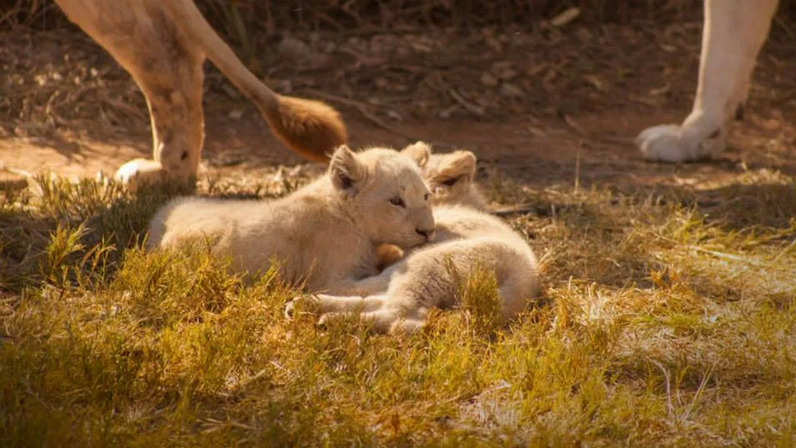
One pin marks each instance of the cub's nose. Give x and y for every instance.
(427, 233)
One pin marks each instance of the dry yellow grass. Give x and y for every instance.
(662, 324)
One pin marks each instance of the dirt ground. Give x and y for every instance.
(543, 107)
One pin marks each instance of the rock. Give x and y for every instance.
(295, 50)
(510, 90)
(488, 80)
(504, 70)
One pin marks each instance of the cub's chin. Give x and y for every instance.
(407, 241)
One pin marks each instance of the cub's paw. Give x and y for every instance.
(326, 319)
(299, 304)
(140, 171)
(290, 308)
(673, 143)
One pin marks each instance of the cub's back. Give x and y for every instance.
(454, 221)
(195, 217)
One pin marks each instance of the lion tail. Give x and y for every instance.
(311, 128)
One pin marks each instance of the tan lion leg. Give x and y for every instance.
(174, 99)
(163, 44)
(167, 67)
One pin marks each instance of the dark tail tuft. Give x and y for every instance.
(311, 128)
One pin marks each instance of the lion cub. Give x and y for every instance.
(400, 298)
(323, 234)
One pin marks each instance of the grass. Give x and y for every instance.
(662, 324)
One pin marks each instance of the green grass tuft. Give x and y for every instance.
(663, 324)
(480, 300)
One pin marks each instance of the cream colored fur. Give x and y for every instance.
(451, 178)
(163, 44)
(733, 34)
(400, 298)
(323, 234)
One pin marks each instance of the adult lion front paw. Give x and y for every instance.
(673, 143)
(140, 171)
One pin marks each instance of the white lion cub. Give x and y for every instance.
(400, 298)
(323, 234)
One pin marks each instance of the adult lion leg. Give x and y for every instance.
(166, 65)
(733, 34)
(174, 99)
(311, 128)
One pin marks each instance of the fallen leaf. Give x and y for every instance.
(596, 82)
(660, 90)
(565, 17)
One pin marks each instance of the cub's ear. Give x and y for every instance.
(458, 164)
(419, 152)
(345, 169)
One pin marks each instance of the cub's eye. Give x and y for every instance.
(425, 197)
(450, 182)
(397, 201)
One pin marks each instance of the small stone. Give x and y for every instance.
(507, 74)
(381, 83)
(488, 80)
(294, 49)
(395, 115)
(510, 90)
(504, 70)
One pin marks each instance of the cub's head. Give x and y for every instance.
(383, 191)
(451, 178)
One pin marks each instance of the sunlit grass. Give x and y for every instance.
(662, 323)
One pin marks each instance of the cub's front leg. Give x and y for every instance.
(326, 303)
(384, 313)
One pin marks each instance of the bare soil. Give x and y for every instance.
(541, 107)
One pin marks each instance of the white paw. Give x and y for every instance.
(289, 310)
(325, 319)
(673, 143)
(138, 171)
(290, 306)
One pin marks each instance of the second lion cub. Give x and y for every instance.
(400, 298)
(323, 234)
